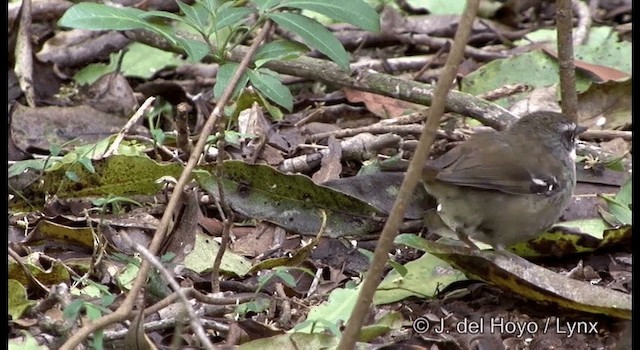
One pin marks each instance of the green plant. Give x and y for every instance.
(80, 154)
(154, 118)
(282, 272)
(394, 264)
(214, 27)
(93, 310)
(115, 203)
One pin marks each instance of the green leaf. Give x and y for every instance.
(620, 205)
(55, 150)
(315, 35)
(603, 47)
(233, 137)
(265, 5)
(210, 5)
(272, 88)
(278, 50)
(356, 12)
(86, 163)
(163, 14)
(624, 195)
(196, 16)
(18, 168)
(102, 17)
(93, 312)
(18, 300)
(114, 200)
(108, 299)
(232, 15)
(367, 253)
(293, 202)
(336, 309)
(91, 73)
(158, 135)
(423, 277)
(72, 175)
(399, 268)
(98, 340)
(535, 67)
(274, 112)
(222, 80)
(287, 278)
(144, 61)
(199, 261)
(72, 310)
(615, 164)
(116, 176)
(440, 7)
(195, 49)
(25, 342)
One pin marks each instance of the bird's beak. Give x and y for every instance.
(580, 129)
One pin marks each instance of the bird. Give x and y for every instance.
(508, 186)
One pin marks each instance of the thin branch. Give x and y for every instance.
(194, 320)
(315, 69)
(378, 128)
(125, 308)
(564, 25)
(428, 64)
(606, 135)
(130, 123)
(27, 272)
(24, 54)
(390, 230)
(161, 148)
(583, 12)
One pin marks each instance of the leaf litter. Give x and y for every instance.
(293, 257)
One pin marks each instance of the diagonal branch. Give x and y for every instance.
(390, 230)
(486, 112)
(125, 308)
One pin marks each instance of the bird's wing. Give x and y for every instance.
(494, 167)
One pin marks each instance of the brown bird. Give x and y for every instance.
(505, 187)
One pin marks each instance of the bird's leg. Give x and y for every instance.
(436, 225)
(464, 238)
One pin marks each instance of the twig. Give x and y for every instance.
(328, 72)
(194, 320)
(606, 135)
(285, 312)
(167, 323)
(223, 208)
(584, 21)
(163, 149)
(125, 308)
(27, 272)
(385, 243)
(414, 129)
(24, 54)
(236, 299)
(428, 40)
(130, 123)
(426, 66)
(568, 95)
(359, 147)
(182, 128)
(164, 324)
(190, 292)
(503, 91)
